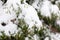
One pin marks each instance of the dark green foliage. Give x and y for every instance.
(35, 30)
(41, 34)
(59, 5)
(24, 33)
(30, 1)
(4, 1)
(5, 37)
(50, 21)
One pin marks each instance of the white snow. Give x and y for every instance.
(30, 15)
(45, 9)
(36, 37)
(10, 27)
(58, 22)
(6, 15)
(6, 19)
(47, 38)
(55, 36)
(55, 9)
(13, 3)
(35, 3)
(1, 3)
(26, 38)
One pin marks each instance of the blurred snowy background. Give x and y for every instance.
(29, 19)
